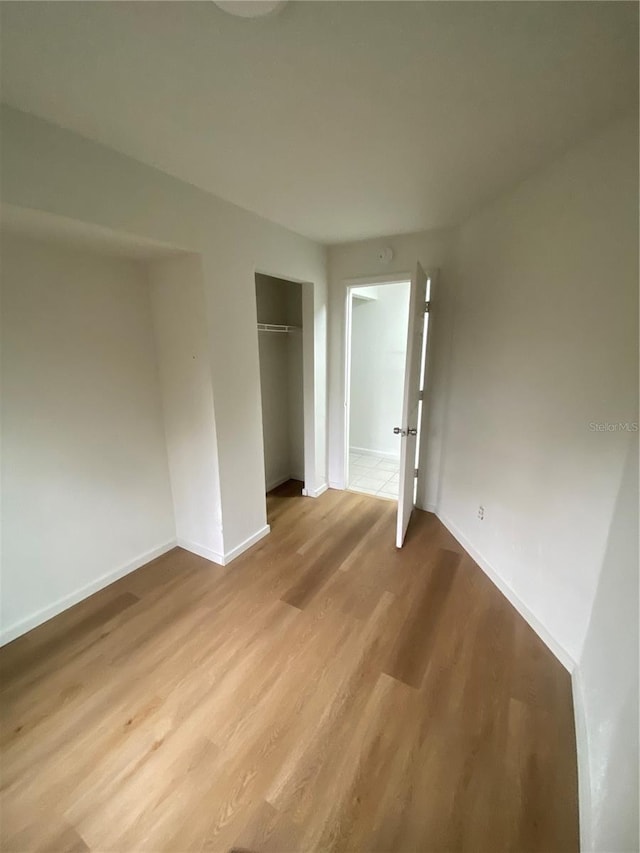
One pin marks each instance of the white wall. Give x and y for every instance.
(50, 169)
(351, 261)
(378, 354)
(177, 298)
(545, 343)
(274, 385)
(606, 684)
(85, 484)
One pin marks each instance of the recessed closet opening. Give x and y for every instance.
(280, 345)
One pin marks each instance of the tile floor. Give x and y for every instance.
(374, 475)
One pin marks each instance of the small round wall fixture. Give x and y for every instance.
(385, 256)
(251, 8)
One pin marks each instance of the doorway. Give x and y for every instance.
(280, 346)
(377, 322)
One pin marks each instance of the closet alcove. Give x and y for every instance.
(279, 317)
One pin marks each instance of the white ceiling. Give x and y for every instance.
(339, 120)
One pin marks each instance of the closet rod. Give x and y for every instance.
(274, 327)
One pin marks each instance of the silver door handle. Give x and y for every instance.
(412, 431)
(398, 431)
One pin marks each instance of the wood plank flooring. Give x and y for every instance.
(325, 692)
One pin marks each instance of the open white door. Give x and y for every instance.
(414, 375)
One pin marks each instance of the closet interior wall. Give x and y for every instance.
(279, 303)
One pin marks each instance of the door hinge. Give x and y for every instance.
(420, 395)
(427, 307)
(415, 472)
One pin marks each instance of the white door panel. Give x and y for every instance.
(415, 371)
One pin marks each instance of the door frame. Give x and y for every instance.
(351, 284)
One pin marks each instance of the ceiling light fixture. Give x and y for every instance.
(251, 8)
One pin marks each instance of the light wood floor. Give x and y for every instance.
(325, 692)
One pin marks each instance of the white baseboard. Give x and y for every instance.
(228, 556)
(244, 546)
(275, 483)
(560, 653)
(367, 451)
(67, 601)
(582, 748)
(563, 656)
(584, 770)
(315, 493)
(201, 550)
(282, 480)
